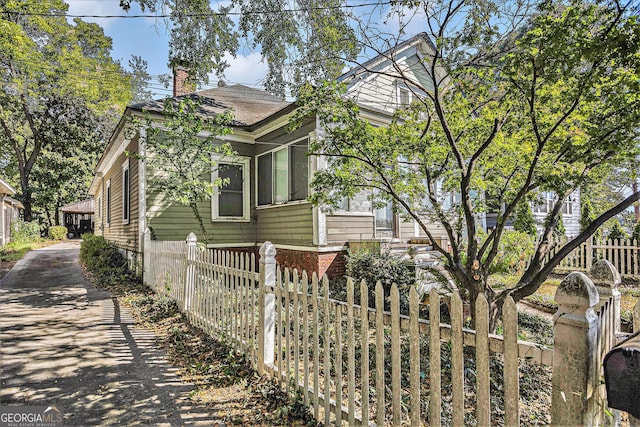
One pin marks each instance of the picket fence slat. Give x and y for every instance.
(380, 385)
(364, 349)
(414, 350)
(396, 363)
(296, 329)
(483, 384)
(351, 355)
(327, 353)
(457, 361)
(338, 364)
(305, 338)
(435, 406)
(511, 377)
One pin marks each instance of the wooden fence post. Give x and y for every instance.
(266, 301)
(607, 278)
(146, 259)
(589, 253)
(575, 336)
(189, 280)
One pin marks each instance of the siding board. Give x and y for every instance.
(125, 235)
(286, 224)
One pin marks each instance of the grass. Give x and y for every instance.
(544, 297)
(13, 251)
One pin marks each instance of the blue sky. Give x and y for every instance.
(149, 39)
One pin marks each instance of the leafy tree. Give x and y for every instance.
(301, 41)
(523, 107)
(140, 80)
(200, 34)
(617, 232)
(636, 232)
(178, 153)
(61, 93)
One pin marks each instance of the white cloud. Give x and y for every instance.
(248, 69)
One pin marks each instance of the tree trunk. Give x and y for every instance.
(27, 200)
(196, 213)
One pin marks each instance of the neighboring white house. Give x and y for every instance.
(570, 211)
(9, 211)
(544, 205)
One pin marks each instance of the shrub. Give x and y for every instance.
(515, 248)
(372, 267)
(102, 258)
(24, 232)
(636, 232)
(523, 219)
(616, 231)
(57, 232)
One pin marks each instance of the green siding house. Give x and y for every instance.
(268, 181)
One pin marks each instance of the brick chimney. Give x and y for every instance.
(180, 84)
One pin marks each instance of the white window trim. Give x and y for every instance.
(273, 150)
(108, 198)
(246, 191)
(125, 168)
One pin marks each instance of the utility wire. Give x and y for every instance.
(197, 15)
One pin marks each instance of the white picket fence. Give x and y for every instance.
(624, 254)
(351, 363)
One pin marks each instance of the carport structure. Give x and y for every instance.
(78, 217)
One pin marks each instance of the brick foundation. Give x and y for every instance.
(330, 263)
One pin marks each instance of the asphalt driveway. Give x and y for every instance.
(66, 343)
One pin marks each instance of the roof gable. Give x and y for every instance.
(375, 83)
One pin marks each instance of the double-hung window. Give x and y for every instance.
(546, 202)
(126, 193)
(231, 201)
(567, 206)
(404, 97)
(283, 174)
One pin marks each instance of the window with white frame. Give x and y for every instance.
(359, 203)
(231, 201)
(283, 174)
(126, 193)
(108, 195)
(567, 206)
(404, 96)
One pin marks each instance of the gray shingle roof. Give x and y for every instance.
(248, 105)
